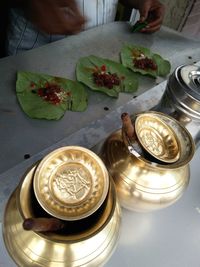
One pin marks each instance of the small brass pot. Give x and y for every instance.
(86, 242)
(145, 185)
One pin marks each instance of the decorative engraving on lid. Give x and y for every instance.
(152, 141)
(72, 183)
(157, 138)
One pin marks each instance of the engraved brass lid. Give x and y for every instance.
(157, 138)
(71, 183)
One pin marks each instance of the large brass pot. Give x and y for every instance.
(87, 242)
(146, 185)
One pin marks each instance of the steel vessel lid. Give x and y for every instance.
(187, 78)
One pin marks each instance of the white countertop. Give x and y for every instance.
(20, 135)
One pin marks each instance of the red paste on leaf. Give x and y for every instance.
(106, 79)
(52, 93)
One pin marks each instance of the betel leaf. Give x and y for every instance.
(131, 52)
(35, 106)
(86, 66)
(138, 26)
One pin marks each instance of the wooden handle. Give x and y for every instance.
(127, 125)
(43, 224)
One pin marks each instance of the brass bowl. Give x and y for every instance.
(88, 242)
(71, 183)
(143, 185)
(157, 137)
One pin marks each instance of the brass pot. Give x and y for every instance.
(86, 242)
(146, 185)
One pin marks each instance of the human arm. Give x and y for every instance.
(151, 11)
(53, 16)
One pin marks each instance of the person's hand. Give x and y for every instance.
(55, 16)
(153, 12)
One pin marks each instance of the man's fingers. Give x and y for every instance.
(152, 12)
(151, 29)
(71, 23)
(144, 10)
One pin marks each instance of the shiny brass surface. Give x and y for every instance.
(86, 244)
(157, 137)
(71, 183)
(143, 185)
(186, 142)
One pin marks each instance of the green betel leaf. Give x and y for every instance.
(130, 53)
(87, 67)
(42, 96)
(138, 26)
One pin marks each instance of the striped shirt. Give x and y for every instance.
(23, 35)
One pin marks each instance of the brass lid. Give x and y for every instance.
(71, 183)
(157, 138)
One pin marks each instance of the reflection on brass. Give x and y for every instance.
(157, 138)
(71, 183)
(144, 185)
(87, 242)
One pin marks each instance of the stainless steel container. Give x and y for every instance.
(181, 99)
